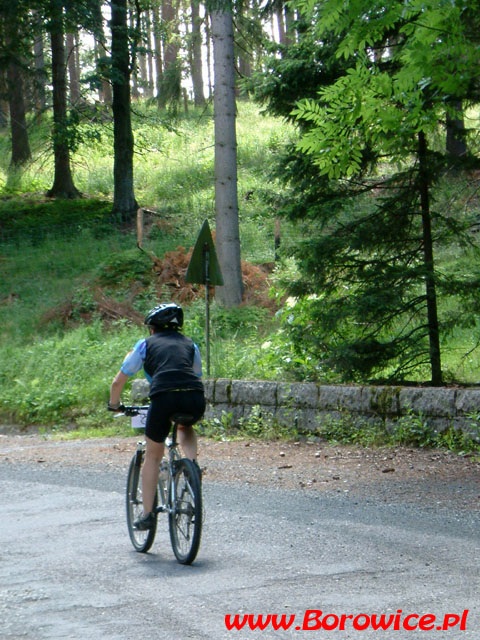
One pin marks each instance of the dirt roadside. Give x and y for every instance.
(388, 474)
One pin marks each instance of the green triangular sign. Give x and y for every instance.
(204, 260)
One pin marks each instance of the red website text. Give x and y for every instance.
(315, 620)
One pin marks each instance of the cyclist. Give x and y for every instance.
(173, 366)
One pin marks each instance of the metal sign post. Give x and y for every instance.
(205, 269)
(206, 253)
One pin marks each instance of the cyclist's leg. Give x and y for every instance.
(153, 456)
(156, 430)
(187, 439)
(192, 403)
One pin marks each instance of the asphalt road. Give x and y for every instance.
(67, 569)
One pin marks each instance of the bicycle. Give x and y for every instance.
(179, 494)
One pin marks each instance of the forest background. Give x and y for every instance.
(354, 191)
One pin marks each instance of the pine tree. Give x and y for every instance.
(361, 182)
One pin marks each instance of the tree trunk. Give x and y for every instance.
(226, 199)
(18, 124)
(149, 54)
(170, 47)
(142, 64)
(73, 69)
(456, 145)
(208, 34)
(432, 315)
(245, 66)
(290, 35)
(3, 114)
(281, 25)
(157, 39)
(131, 24)
(124, 202)
(63, 186)
(40, 78)
(105, 89)
(197, 72)
(3, 102)
(103, 85)
(143, 60)
(170, 89)
(245, 57)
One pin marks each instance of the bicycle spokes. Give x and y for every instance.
(141, 540)
(186, 513)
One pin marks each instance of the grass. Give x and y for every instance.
(173, 170)
(55, 368)
(88, 428)
(411, 430)
(55, 254)
(37, 278)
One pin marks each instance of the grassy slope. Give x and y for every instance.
(52, 375)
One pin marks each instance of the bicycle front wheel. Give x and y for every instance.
(141, 540)
(185, 517)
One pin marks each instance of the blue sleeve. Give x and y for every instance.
(197, 362)
(135, 359)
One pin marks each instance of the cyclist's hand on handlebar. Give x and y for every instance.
(118, 406)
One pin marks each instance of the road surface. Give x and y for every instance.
(67, 569)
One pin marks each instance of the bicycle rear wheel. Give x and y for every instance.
(141, 540)
(185, 517)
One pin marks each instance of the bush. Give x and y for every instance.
(411, 430)
(350, 429)
(414, 431)
(62, 378)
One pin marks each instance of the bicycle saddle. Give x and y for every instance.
(183, 418)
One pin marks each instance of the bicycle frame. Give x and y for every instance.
(173, 456)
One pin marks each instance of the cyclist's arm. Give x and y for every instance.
(132, 363)
(117, 387)
(134, 360)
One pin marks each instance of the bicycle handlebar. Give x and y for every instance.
(132, 410)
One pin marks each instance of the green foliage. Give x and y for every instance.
(460, 441)
(173, 170)
(60, 378)
(218, 428)
(414, 431)
(258, 425)
(58, 252)
(358, 185)
(123, 268)
(34, 218)
(40, 279)
(349, 429)
(262, 425)
(388, 94)
(301, 69)
(411, 430)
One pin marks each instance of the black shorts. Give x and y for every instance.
(164, 405)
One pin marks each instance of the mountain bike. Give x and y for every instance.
(179, 495)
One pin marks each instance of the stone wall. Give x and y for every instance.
(303, 405)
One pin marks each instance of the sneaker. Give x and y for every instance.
(145, 522)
